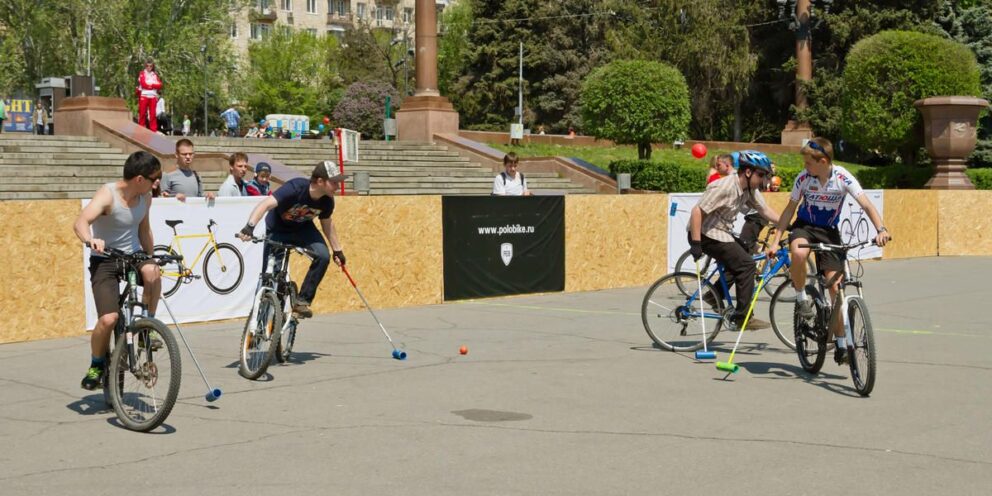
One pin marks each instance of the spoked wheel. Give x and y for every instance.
(260, 337)
(810, 338)
(861, 231)
(223, 268)
(171, 272)
(147, 388)
(686, 264)
(672, 319)
(863, 358)
(288, 335)
(783, 278)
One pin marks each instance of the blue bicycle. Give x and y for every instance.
(672, 318)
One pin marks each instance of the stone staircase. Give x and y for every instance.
(395, 167)
(58, 167)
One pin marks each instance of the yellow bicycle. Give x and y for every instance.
(223, 266)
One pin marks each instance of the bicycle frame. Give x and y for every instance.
(128, 302)
(782, 255)
(839, 302)
(176, 244)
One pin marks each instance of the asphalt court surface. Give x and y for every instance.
(558, 394)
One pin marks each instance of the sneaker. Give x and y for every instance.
(93, 378)
(805, 309)
(302, 310)
(841, 355)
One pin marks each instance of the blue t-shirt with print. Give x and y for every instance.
(295, 208)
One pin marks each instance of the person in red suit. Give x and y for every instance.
(149, 84)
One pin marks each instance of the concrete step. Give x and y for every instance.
(110, 156)
(36, 137)
(81, 162)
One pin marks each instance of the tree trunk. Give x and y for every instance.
(644, 151)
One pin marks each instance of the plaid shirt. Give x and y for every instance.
(722, 202)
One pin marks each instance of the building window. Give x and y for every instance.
(336, 33)
(312, 32)
(287, 4)
(361, 10)
(389, 13)
(408, 15)
(259, 31)
(312, 6)
(339, 7)
(234, 30)
(263, 5)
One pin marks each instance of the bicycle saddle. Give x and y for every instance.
(173, 223)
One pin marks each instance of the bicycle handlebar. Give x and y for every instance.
(285, 246)
(836, 248)
(139, 256)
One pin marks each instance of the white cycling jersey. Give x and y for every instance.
(822, 203)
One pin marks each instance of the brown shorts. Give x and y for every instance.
(825, 261)
(105, 280)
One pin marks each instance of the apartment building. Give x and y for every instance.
(322, 17)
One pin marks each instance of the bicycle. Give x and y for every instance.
(811, 337)
(686, 264)
(136, 366)
(666, 308)
(854, 232)
(266, 335)
(223, 265)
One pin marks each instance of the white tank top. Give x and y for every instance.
(119, 228)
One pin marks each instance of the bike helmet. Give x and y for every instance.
(754, 160)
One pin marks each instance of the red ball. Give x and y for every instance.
(327, 120)
(463, 350)
(699, 150)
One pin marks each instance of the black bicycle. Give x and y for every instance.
(270, 330)
(144, 373)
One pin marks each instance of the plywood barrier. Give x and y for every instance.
(911, 216)
(615, 240)
(42, 288)
(965, 224)
(394, 249)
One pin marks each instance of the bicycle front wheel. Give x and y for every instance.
(171, 273)
(288, 335)
(686, 264)
(223, 268)
(673, 320)
(260, 337)
(863, 358)
(811, 337)
(781, 312)
(147, 386)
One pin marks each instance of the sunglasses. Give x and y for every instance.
(816, 146)
(153, 178)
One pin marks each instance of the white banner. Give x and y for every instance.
(853, 226)
(194, 301)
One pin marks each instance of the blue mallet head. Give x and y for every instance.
(705, 355)
(399, 355)
(213, 394)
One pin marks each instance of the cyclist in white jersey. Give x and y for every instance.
(819, 193)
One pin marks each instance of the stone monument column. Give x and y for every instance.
(796, 132)
(426, 113)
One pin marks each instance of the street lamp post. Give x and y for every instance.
(206, 91)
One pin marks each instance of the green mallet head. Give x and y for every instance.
(728, 367)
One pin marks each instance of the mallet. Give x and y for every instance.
(729, 365)
(397, 353)
(212, 393)
(705, 354)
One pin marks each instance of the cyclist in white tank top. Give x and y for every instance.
(117, 217)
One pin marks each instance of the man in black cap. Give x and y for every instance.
(291, 210)
(259, 185)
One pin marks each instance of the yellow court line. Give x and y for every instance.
(918, 332)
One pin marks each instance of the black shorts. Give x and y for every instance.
(105, 280)
(825, 261)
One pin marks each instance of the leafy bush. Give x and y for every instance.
(887, 72)
(636, 102)
(669, 177)
(981, 178)
(982, 156)
(363, 108)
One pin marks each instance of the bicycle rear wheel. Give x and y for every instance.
(171, 272)
(147, 388)
(863, 358)
(811, 337)
(782, 314)
(223, 268)
(672, 320)
(260, 337)
(288, 335)
(784, 277)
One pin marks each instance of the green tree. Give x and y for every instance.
(893, 69)
(452, 49)
(304, 83)
(636, 102)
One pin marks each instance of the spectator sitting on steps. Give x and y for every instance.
(510, 182)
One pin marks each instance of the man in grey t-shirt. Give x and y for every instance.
(184, 181)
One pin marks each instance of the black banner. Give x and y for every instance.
(501, 245)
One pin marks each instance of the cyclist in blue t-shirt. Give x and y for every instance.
(821, 189)
(291, 210)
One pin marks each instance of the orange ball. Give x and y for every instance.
(463, 350)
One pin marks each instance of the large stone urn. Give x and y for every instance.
(949, 133)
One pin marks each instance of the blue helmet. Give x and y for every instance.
(753, 159)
